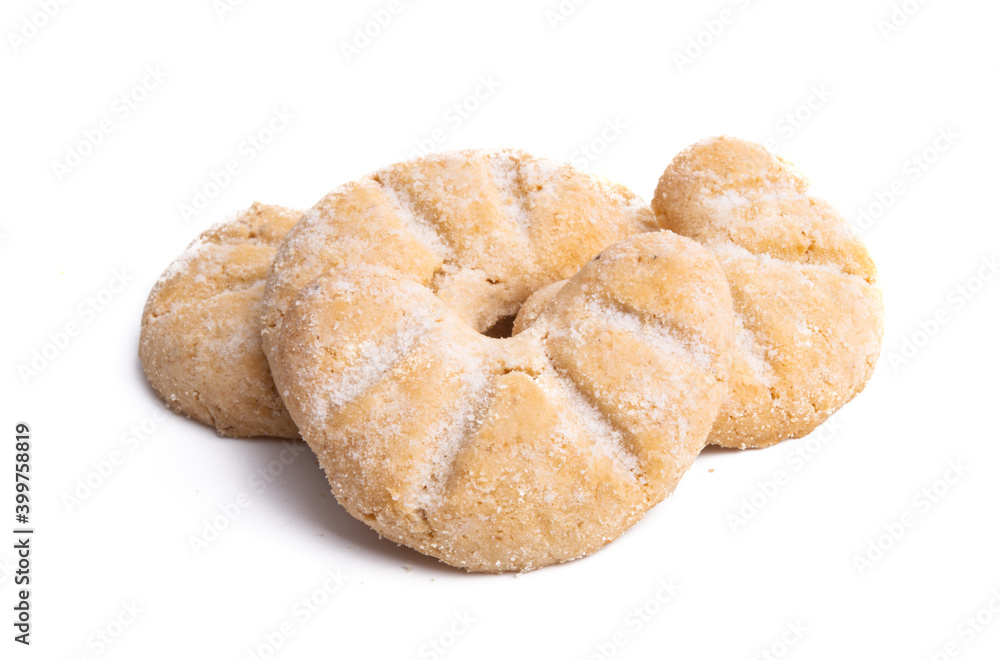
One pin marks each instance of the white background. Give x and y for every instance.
(878, 100)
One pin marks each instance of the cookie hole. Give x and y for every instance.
(502, 329)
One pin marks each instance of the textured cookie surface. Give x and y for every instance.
(510, 454)
(200, 341)
(535, 305)
(481, 229)
(808, 311)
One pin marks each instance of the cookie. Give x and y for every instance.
(200, 340)
(506, 454)
(808, 309)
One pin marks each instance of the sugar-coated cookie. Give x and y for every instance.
(808, 310)
(507, 454)
(200, 340)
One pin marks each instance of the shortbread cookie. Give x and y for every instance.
(808, 310)
(482, 229)
(506, 454)
(200, 339)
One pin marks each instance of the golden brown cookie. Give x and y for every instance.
(200, 340)
(508, 454)
(808, 310)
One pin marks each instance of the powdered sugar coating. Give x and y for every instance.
(808, 310)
